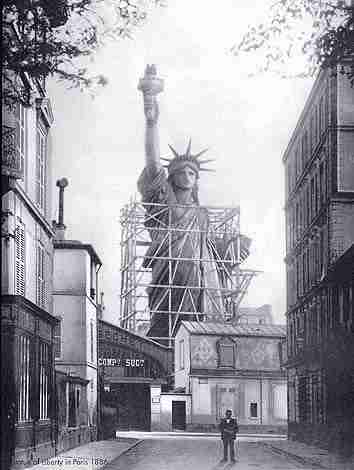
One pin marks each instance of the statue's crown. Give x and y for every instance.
(186, 158)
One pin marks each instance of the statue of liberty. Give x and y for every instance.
(187, 262)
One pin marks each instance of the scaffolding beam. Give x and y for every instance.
(140, 224)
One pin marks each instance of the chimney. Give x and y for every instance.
(59, 226)
(100, 307)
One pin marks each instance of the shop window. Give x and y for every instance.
(254, 410)
(44, 380)
(23, 403)
(74, 404)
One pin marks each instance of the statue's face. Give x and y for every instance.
(185, 178)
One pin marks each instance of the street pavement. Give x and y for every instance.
(201, 454)
(91, 456)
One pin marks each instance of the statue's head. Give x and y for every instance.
(184, 169)
(184, 177)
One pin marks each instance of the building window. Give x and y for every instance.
(21, 135)
(72, 415)
(41, 168)
(226, 352)
(57, 339)
(254, 410)
(23, 349)
(44, 380)
(345, 303)
(92, 337)
(335, 306)
(20, 266)
(303, 399)
(181, 354)
(78, 399)
(40, 276)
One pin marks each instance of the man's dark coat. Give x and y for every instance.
(228, 429)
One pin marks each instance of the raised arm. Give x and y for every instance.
(150, 86)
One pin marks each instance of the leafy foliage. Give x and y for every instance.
(322, 30)
(56, 37)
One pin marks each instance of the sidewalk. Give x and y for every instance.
(310, 455)
(91, 456)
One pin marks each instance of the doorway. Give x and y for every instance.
(179, 415)
(128, 405)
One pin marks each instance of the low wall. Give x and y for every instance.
(68, 438)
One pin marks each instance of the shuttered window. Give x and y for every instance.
(23, 351)
(40, 275)
(41, 168)
(20, 267)
(44, 380)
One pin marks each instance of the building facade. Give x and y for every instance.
(76, 267)
(220, 366)
(133, 373)
(26, 279)
(262, 315)
(319, 209)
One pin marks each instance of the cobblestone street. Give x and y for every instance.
(199, 454)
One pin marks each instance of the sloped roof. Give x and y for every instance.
(214, 328)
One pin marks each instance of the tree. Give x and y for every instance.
(322, 30)
(56, 37)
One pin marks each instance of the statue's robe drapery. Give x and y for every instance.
(182, 253)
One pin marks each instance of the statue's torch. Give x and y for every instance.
(150, 85)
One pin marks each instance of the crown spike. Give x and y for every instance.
(166, 159)
(173, 151)
(201, 153)
(206, 161)
(188, 151)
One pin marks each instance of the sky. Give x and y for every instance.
(209, 96)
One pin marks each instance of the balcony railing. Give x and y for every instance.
(10, 157)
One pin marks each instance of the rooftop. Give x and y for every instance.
(214, 328)
(77, 245)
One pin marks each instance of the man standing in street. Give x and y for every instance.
(228, 428)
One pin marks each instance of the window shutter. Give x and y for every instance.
(40, 276)
(41, 168)
(20, 285)
(47, 281)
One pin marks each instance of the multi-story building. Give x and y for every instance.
(76, 339)
(319, 208)
(75, 299)
(26, 279)
(261, 315)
